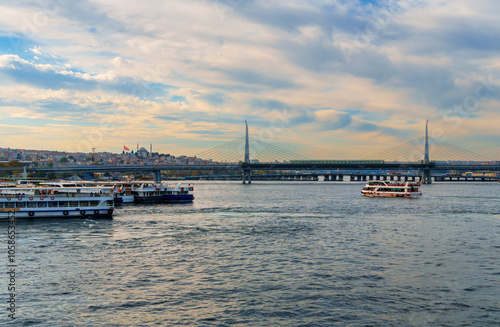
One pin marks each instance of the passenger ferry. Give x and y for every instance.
(120, 195)
(157, 192)
(54, 202)
(392, 189)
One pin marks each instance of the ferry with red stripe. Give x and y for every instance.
(390, 189)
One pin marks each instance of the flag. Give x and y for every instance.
(125, 148)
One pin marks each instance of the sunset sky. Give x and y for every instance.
(325, 79)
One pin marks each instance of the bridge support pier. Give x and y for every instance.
(157, 176)
(426, 176)
(247, 177)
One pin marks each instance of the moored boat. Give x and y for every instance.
(159, 192)
(53, 202)
(392, 189)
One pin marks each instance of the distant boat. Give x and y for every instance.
(392, 189)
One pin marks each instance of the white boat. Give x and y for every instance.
(56, 202)
(392, 189)
(137, 191)
(121, 195)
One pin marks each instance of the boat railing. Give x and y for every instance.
(53, 192)
(52, 196)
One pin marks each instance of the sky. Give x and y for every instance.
(331, 79)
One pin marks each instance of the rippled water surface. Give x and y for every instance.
(268, 254)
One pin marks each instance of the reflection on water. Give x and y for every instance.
(270, 254)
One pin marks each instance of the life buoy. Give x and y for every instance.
(41, 198)
(8, 199)
(119, 190)
(31, 213)
(82, 212)
(65, 212)
(19, 198)
(158, 188)
(31, 198)
(52, 197)
(96, 212)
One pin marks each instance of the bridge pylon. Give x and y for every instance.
(426, 173)
(247, 177)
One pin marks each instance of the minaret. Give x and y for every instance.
(151, 148)
(426, 145)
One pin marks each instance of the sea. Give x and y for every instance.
(266, 254)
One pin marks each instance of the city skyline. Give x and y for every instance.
(329, 80)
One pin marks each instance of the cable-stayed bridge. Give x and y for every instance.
(248, 154)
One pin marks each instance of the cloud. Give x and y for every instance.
(215, 99)
(342, 121)
(182, 69)
(52, 77)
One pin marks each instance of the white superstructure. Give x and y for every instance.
(392, 189)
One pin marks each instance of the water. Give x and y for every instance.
(268, 254)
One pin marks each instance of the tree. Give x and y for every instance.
(52, 175)
(14, 163)
(40, 174)
(63, 160)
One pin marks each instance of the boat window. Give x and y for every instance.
(73, 203)
(63, 203)
(84, 203)
(1, 205)
(109, 203)
(52, 204)
(21, 205)
(42, 204)
(94, 203)
(9, 204)
(31, 204)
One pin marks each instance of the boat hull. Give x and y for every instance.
(165, 198)
(178, 198)
(148, 199)
(392, 195)
(94, 213)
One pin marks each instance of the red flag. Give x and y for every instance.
(125, 148)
